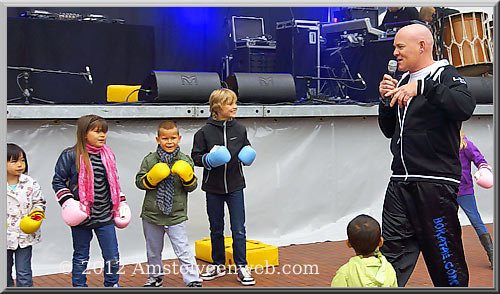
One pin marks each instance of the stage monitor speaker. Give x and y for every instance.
(179, 86)
(481, 88)
(262, 87)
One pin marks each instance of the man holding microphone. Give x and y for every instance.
(422, 115)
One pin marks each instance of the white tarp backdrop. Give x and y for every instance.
(310, 178)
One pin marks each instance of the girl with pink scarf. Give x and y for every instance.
(86, 178)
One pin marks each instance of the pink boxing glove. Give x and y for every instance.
(73, 212)
(484, 177)
(122, 218)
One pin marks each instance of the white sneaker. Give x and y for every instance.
(213, 271)
(153, 282)
(245, 276)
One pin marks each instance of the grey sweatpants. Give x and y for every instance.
(154, 235)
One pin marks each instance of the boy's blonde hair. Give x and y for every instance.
(463, 143)
(219, 98)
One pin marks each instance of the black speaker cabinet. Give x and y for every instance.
(262, 87)
(297, 51)
(258, 60)
(481, 88)
(177, 86)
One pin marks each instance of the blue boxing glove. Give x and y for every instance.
(247, 155)
(218, 156)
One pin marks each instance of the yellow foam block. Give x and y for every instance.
(119, 93)
(259, 255)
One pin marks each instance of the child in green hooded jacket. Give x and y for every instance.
(369, 268)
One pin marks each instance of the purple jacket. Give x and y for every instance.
(468, 155)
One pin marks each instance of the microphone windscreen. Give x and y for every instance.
(392, 66)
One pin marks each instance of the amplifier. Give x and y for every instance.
(261, 59)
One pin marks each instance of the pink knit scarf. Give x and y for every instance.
(86, 180)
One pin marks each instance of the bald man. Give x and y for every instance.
(423, 118)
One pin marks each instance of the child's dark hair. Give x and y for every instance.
(364, 234)
(14, 152)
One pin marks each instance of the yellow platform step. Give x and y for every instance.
(259, 255)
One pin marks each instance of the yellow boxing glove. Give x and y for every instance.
(155, 175)
(31, 223)
(184, 171)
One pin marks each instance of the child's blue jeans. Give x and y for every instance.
(106, 235)
(468, 204)
(22, 260)
(215, 209)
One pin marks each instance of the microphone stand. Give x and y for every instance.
(27, 90)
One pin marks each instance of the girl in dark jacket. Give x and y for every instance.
(86, 183)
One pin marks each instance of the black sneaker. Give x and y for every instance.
(153, 282)
(213, 271)
(194, 284)
(245, 276)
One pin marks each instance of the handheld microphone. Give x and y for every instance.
(89, 75)
(392, 66)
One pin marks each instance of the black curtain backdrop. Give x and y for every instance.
(115, 54)
(191, 38)
(181, 39)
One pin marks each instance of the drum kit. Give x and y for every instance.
(466, 40)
